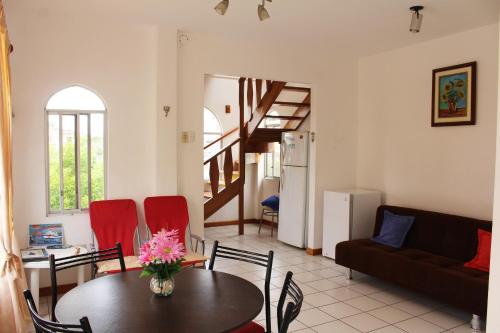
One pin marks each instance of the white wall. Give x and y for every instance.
(446, 169)
(494, 282)
(220, 92)
(124, 74)
(166, 127)
(103, 58)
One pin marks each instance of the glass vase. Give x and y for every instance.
(162, 286)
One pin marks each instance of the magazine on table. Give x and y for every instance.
(34, 254)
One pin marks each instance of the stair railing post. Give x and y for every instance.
(241, 198)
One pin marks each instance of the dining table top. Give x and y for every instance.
(202, 301)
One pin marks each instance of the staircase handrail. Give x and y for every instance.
(222, 150)
(225, 135)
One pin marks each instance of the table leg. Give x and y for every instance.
(35, 285)
(81, 275)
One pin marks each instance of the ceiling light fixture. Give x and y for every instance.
(221, 7)
(262, 12)
(416, 18)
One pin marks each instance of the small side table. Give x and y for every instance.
(34, 268)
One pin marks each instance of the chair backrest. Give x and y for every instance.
(90, 258)
(46, 326)
(114, 221)
(293, 292)
(265, 260)
(167, 212)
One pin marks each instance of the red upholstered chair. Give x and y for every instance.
(171, 212)
(115, 221)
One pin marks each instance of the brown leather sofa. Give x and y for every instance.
(431, 260)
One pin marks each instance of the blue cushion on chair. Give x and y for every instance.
(394, 229)
(272, 202)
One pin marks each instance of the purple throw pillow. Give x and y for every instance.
(394, 229)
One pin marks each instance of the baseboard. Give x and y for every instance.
(236, 222)
(61, 289)
(313, 252)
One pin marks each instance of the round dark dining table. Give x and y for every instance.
(203, 301)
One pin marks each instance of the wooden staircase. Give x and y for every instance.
(254, 136)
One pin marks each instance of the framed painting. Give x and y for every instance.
(454, 95)
(46, 234)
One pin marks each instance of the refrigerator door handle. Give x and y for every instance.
(283, 152)
(282, 178)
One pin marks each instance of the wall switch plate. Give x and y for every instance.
(187, 137)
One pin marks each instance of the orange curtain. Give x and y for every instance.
(13, 313)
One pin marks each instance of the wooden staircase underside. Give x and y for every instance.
(259, 139)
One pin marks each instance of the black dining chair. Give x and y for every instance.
(291, 291)
(90, 258)
(46, 326)
(265, 260)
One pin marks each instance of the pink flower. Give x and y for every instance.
(165, 234)
(168, 249)
(146, 257)
(164, 247)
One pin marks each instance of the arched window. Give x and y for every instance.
(212, 130)
(76, 147)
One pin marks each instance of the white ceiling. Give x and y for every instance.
(360, 26)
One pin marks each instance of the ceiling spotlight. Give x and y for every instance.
(416, 18)
(221, 7)
(262, 11)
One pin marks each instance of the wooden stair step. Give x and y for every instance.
(285, 117)
(295, 104)
(267, 134)
(300, 89)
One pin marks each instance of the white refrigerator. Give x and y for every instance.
(293, 188)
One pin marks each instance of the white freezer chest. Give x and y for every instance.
(347, 215)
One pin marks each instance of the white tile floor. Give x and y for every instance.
(333, 304)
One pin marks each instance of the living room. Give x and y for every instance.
(372, 96)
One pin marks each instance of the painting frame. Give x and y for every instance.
(454, 105)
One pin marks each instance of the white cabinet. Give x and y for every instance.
(348, 214)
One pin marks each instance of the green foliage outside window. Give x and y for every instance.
(69, 163)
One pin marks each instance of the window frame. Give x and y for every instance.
(76, 113)
(220, 134)
(267, 125)
(273, 158)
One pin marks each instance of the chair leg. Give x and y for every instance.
(261, 217)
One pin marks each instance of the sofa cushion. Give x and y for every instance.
(381, 261)
(394, 229)
(482, 259)
(461, 286)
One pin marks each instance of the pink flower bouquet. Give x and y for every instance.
(162, 255)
